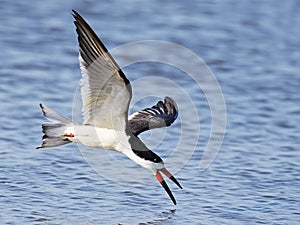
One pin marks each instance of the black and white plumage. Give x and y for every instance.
(162, 114)
(106, 94)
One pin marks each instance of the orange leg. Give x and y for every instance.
(69, 135)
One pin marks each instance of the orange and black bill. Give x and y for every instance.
(170, 176)
(164, 184)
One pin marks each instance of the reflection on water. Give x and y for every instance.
(165, 217)
(252, 48)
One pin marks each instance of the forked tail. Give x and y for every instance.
(57, 131)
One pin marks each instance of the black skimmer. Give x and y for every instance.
(106, 94)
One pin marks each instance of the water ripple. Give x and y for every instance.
(252, 47)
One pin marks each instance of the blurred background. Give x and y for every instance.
(252, 47)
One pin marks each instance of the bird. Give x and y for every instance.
(106, 94)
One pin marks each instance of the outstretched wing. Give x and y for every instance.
(105, 90)
(162, 114)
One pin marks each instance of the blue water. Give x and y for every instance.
(252, 47)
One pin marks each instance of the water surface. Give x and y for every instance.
(253, 49)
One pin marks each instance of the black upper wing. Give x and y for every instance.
(162, 114)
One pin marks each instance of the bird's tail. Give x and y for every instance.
(57, 132)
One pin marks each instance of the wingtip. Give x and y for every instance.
(43, 107)
(171, 101)
(74, 13)
(171, 106)
(76, 16)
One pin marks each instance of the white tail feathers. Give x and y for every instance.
(54, 131)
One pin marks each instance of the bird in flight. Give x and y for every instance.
(106, 94)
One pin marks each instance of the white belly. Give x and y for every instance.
(99, 137)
